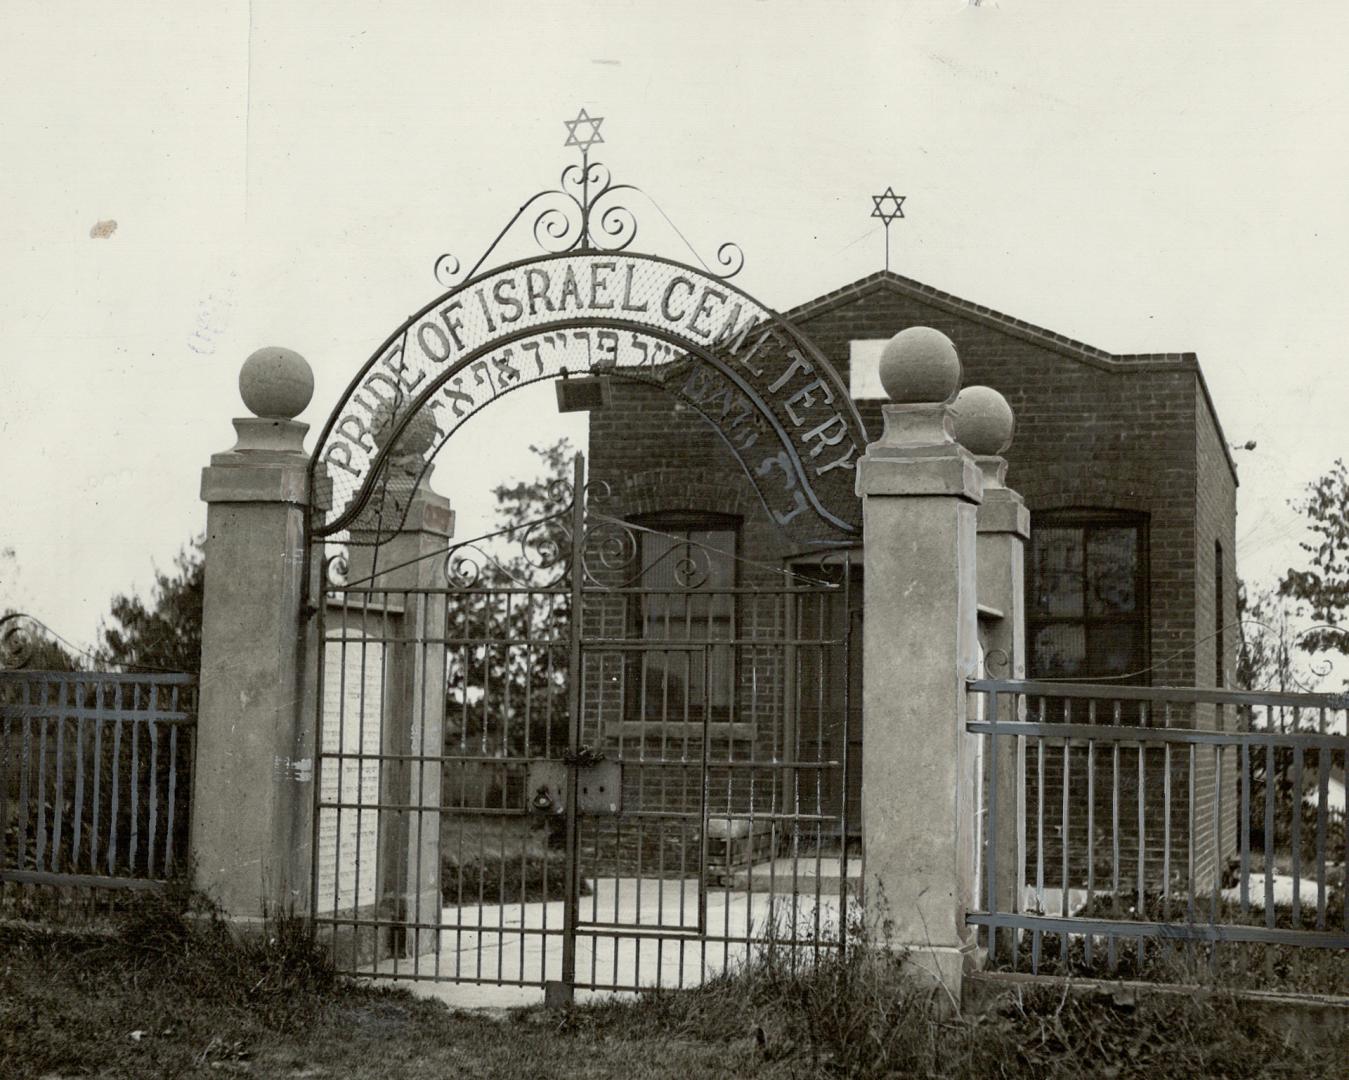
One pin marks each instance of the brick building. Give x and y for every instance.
(1121, 459)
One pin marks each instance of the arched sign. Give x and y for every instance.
(779, 406)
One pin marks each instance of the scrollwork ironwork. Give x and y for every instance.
(609, 549)
(543, 550)
(447, 270)
(997, 661)
(587, 211)
(336, 567)
(19, 634)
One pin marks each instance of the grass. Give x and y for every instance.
(1234, 965)
(160, 995)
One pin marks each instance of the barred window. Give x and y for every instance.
(1087, 594)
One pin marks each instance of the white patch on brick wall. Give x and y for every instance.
(353, 695)
(864, 369)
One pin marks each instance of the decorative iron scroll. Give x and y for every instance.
(542, 554)
(587, 211)
(535, 555)
(19, 636)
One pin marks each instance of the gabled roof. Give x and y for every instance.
(886, 281)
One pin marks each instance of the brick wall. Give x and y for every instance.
(1093, 431)
(784, 643)
(1215, 530)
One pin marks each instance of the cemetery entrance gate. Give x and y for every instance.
(579, 752)
(582, 751)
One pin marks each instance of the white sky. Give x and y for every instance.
(1139, 175)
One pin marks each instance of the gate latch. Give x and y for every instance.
(599, 786)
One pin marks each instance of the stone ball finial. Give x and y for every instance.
(982, 420)
(276, 383)
(417, 438)
(919, 365)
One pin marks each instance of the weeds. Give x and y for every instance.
(1231, 965)
(860, 1012)
(168, 989)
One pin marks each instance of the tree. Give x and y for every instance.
(1324, 587)
(1265, 659)
(164, 635)
(507, 694)
(547, 493)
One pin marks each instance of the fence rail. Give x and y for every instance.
(1141, 817)
(95, 777)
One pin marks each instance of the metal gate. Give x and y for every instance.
(593, 754)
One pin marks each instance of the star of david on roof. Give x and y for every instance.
(888, 205)
(587, 135)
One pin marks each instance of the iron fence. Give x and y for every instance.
(1120, 823)
(619, 759)
(95, 777)
(713, 839)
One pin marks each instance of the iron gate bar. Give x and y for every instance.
(571, 910)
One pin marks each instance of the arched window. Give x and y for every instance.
(1086, 594)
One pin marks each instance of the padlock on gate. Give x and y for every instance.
(547, 783)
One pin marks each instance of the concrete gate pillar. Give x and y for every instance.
(920, 493)
(404, 566)
(984, 425)
(251, 792)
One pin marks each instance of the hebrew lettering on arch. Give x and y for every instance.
(452, 395)
(744, 429)
(506, 370)
(584, 335)
(783, 463)
(698, 384)
(483, 374)
(606, 351)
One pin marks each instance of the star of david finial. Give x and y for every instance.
(584, 131)
(887, 206)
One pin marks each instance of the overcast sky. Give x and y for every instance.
(1143, 176)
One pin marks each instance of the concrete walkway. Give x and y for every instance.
(634, 933)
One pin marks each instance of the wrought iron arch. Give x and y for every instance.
(711, 384)
(589, 305)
